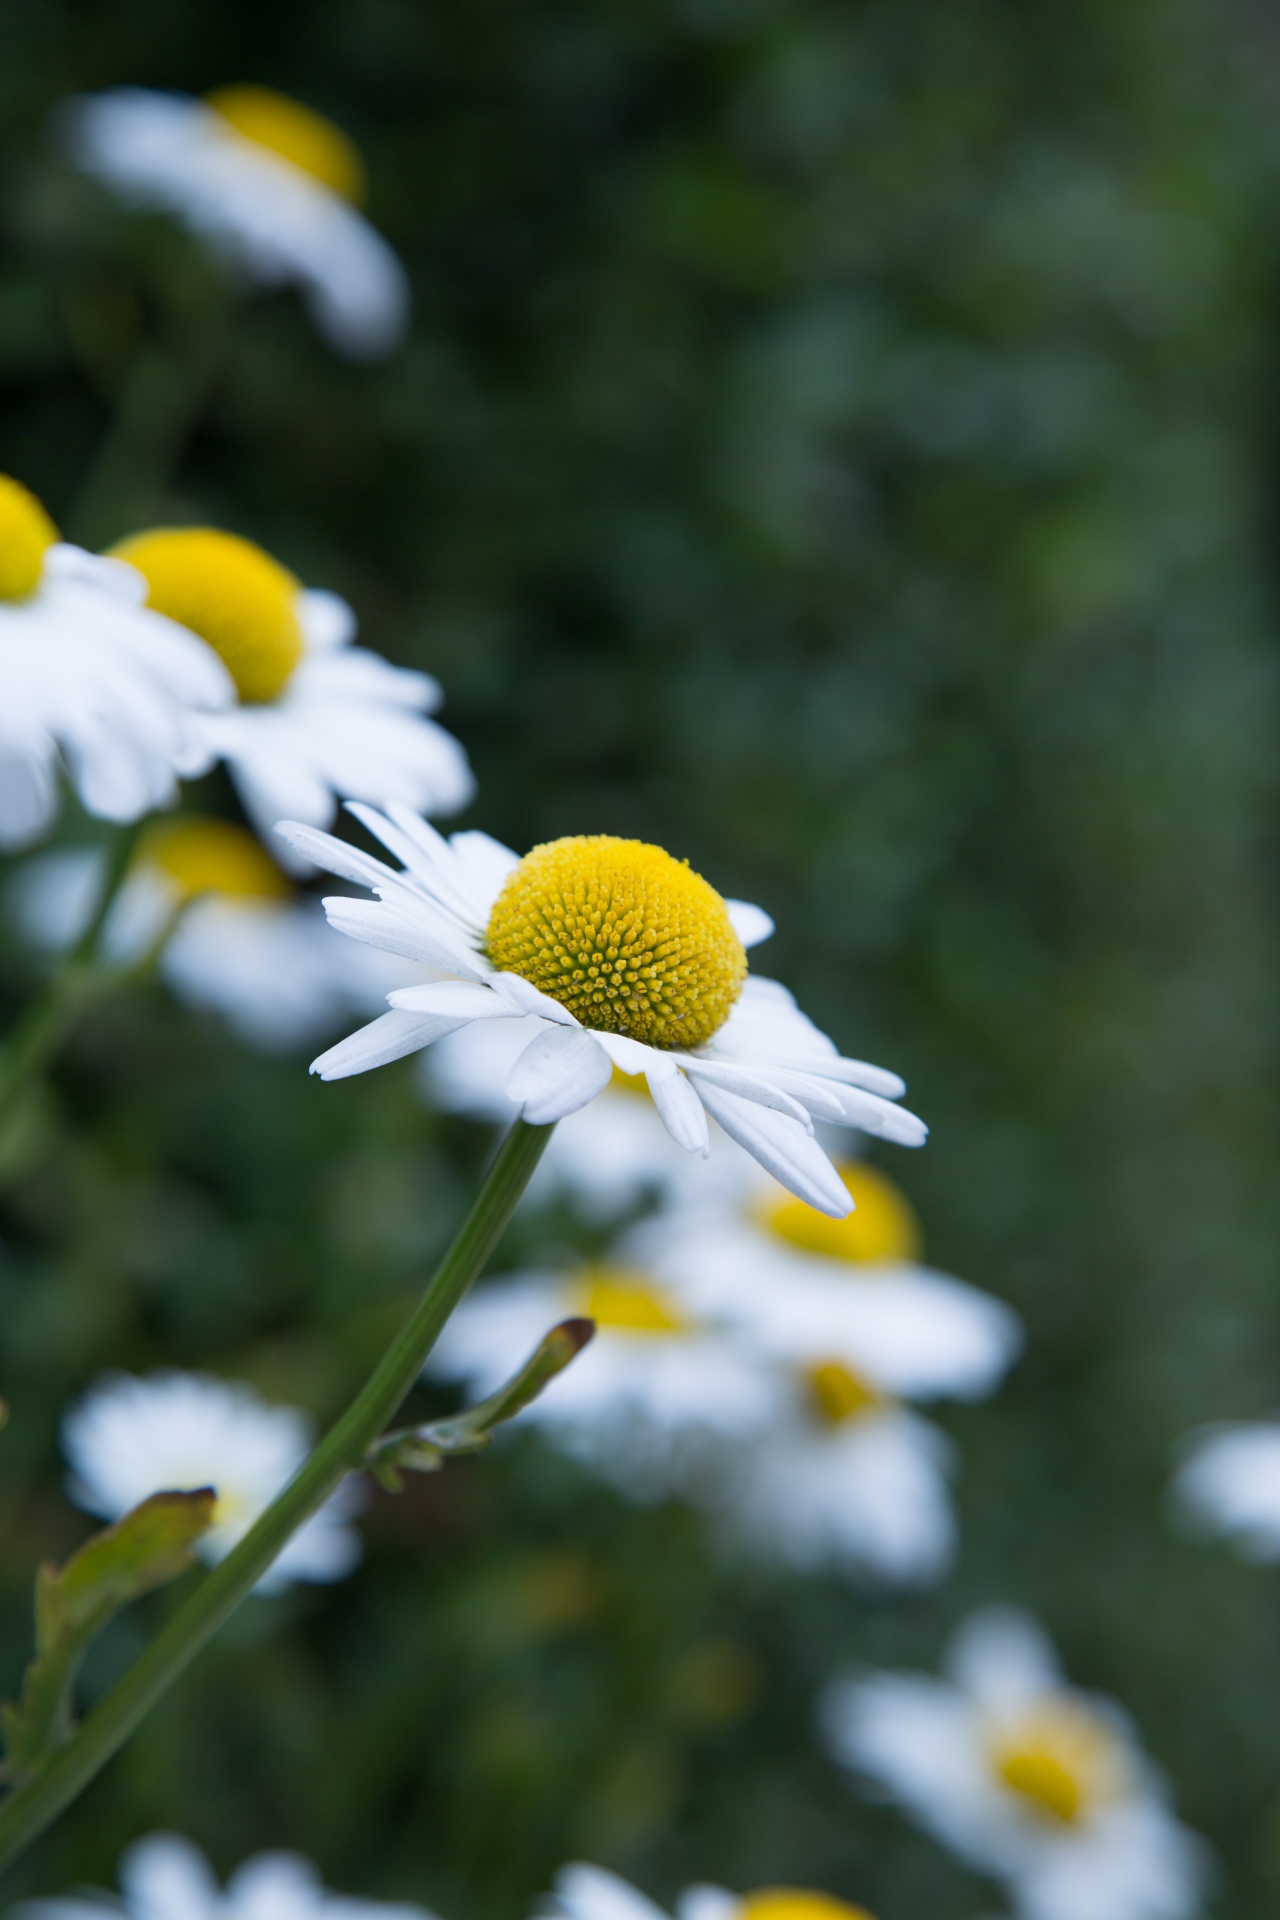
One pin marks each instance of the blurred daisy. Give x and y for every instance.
(1026, 1778)
(129, 1438)
(607, 1157)
(274, 188)
(318, 719)
(651, 1404)
(1229, 1485)
(95, 683)
(166, 1877)
(234, 938)
(627, 959)
(590, 1893)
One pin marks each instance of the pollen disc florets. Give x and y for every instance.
(26, 534)
(629, 940)
(235, 596)
(294, 132)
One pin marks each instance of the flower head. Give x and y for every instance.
(626, 960)
(94, 682)
(1023, 1776)
(272, 186)
(1229, 1484)
(318, 718)
(166, 1877)
(590, 1893)
(128, 1438)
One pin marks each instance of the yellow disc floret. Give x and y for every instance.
(838, 1394)
(231, 593)
(882, 1226)
(26, 534)
(626, 1302)
(1060, 1762)
(197, 854)
(628, 939)
(294, 133)
(796, 1903)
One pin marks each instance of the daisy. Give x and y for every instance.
(1229, 1484)
(95, 683)
(590, 1893)
(235, 939)
(129, 1438)
(272, 186)
(627, 959)
(166, 1877)
(318, 718)
(1023, 1776)
(655, 1403)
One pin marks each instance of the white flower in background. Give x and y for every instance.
(849, 1477)
(1026, 1778)
(95, 684)
(272, 186)
(166, 1877)
(318, 719)
(1229, 1485)
(627, 959)
(173, 1432)
(590, 1893)
(607, 1157)
(656, 1403)
(236, 939)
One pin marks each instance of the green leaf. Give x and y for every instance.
(149, 1547)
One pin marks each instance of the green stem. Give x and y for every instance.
(77, 978)
(31, 1808)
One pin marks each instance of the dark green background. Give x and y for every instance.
(837, 442)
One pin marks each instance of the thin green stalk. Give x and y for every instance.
(76, 979)
(30, 1809)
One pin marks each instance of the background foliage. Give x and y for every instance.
(835, 442)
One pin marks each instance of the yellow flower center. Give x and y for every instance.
(628, 939)
(199, 855)
(26, 534)
(235, 596)
(796, 1903)
(231, 1509)
(882, 1226)
(634, 1084)
(1057, 1761)
(294, 133)
(626, 1302)
(838, 1394)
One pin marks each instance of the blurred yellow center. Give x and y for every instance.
(1056, 1762)
(796, 1903)
(231, 1509)
(294, 133)
(625, 1302)
(628, 939)
(26, 534)
(201, 855)
(882, 1226)
(235, 596)
(633, 1083)
(839, 1394)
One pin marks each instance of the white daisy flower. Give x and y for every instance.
(1229, 1485)
(627, 959)
(272, 186)
(607, 1157)
(318, 719)
(1023, 1776)
(95, 683)
(243, 946)
(172, 1432)
(653, 1403)
(583, 1892)
(166, 1877)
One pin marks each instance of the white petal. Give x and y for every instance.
(882, 1118)
(782, 1147)
(387, 1038)
(335, 856)
(558, 1072)
(751, 924)
(528, 999)
(326, 619)
(378, 924)
(453, 997)
(758, 1087)
(681, 1111)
